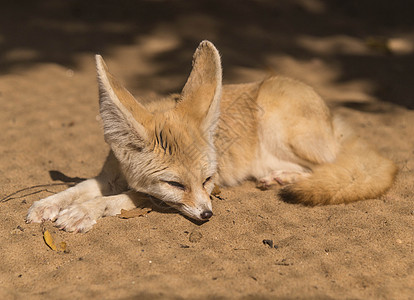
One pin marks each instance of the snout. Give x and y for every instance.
(196, 213)
(206, 214)
(197, 206)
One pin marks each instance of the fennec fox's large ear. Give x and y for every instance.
(200, 97)
(124, 118)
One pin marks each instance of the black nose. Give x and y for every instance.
(206, 214)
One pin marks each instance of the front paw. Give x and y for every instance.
(75, 218)
(41, 211)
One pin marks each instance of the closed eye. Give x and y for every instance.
(207, 180)
(176, 184)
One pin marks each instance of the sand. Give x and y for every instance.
(50, 128)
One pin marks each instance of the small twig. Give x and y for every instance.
(25, 195)
(9, 197)
(218, 197)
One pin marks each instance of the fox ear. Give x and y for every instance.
(124, 118)
(200, 97)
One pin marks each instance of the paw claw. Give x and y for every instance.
(75, 219)
(42, 211)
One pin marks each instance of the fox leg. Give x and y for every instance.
(81, 216)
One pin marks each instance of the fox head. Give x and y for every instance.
(168, 151)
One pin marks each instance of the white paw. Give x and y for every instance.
(75, 218)
(41, 211)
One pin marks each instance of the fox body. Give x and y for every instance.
(277, 131)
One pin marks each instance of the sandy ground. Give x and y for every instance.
(49, 122)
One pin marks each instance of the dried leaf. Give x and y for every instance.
(49, 240)
(52, 243)
(137, 212)
(216, 191)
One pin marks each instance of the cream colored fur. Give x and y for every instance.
(277, 131)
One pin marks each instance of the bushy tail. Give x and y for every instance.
(357, 173)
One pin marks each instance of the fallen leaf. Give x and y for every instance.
(216, 191)
(137, 212)
(49, 240)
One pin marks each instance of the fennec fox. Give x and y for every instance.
(277, 131)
